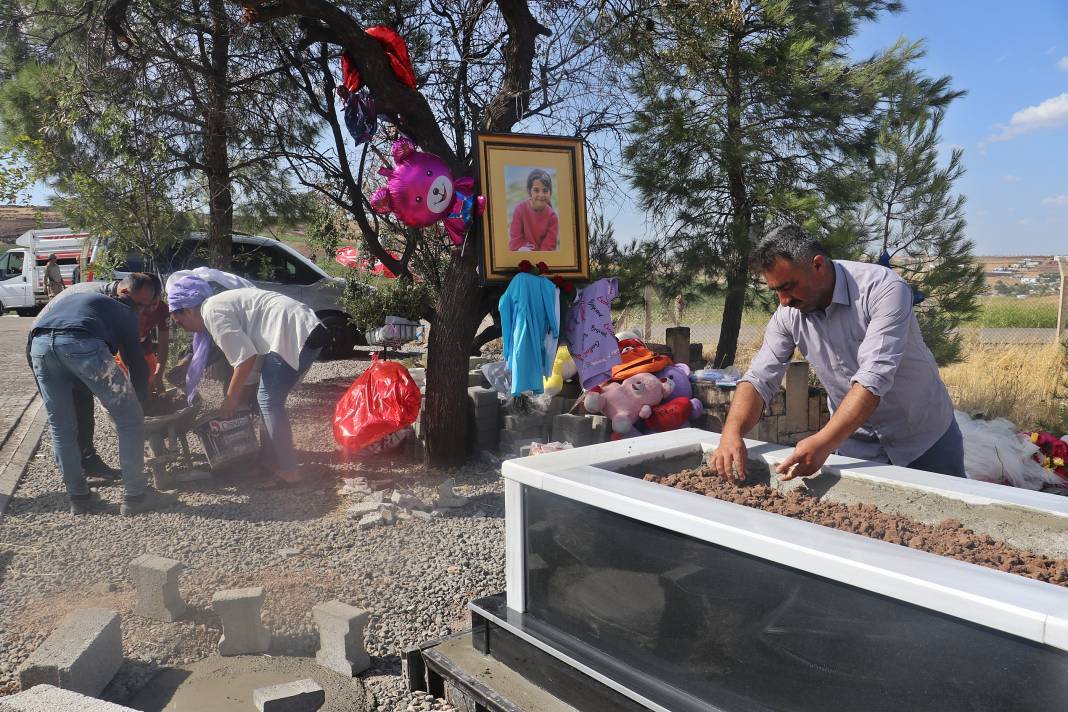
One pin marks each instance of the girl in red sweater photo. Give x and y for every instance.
(535, 226)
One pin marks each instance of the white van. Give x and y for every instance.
(22, 267)
(269, 264)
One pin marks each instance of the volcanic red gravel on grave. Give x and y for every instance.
(948, 538)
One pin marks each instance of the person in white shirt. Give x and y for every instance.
(246, 324)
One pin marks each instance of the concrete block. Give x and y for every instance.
(360, 509)
(299, 696)
(778, 403)
(678, 341)
(580, 430)
(371, 520)
(475, 378)
(474, 362)
(447, 498)
(482, 397)
(525, 423)
(82, 654)
(711, 395)
(243, 630)
(796, 385)
(697, 356)
(156, 580)
(341, 629)
(46, 698)
(406, 500)
(813, 413)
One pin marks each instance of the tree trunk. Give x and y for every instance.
(742, 218)
(458, 315)
(216, 147)
(731, 323)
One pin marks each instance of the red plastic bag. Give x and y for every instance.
(381, 401)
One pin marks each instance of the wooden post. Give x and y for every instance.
(678, 340)
(648, 312)
(1062, 311)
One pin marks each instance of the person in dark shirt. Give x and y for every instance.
(75, 343)
(155, 317)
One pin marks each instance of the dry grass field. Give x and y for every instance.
(17, 219)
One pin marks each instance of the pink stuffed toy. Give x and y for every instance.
(420, 191)
(627, 402)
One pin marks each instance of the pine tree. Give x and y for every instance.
(750, 115)
(915, 221)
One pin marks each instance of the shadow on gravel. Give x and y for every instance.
(42, 503)
(333, 387)
(303, 645)
(283, 505)
(487, 506)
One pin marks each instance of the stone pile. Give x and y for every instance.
(371, 508)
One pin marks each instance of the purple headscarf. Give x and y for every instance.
(187, 293)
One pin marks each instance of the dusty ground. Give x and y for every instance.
(948, 538)
(415, 578)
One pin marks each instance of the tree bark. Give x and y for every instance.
(216, 150)
(742, 214)
(457, 318)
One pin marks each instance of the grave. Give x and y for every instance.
(626, 594)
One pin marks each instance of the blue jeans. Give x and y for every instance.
(277, 379)
(63, 361)
(945, 457)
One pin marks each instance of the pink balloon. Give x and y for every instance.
(420, 190)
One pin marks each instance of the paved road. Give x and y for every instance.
(17, 386)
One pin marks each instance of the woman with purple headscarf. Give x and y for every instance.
(246, 324)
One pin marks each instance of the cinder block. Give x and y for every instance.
(778, 403)
(510, 440)
(482, 397)
(814, 413)
(46, 698)
(82, 654)
(474, 362)
(796, 385)
(341, 629)
(475, 378)
(156, 580)
(299, 696)
(243, 630)
(580, 430)
(521, 423)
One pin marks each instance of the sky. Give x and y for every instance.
(1012, 59)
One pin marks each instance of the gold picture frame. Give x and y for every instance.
(535, 205)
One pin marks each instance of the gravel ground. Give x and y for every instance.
(415, 577)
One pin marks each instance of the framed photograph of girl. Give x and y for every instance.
(535, 205)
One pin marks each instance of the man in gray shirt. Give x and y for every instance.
(853, 322)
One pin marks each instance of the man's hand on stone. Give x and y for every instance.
(806, 459)
(730, 457)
